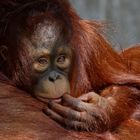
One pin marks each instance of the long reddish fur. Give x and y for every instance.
(96, 64)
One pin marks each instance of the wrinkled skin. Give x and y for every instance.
(91, 111)
(79, 112)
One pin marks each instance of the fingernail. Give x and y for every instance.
(46, 111)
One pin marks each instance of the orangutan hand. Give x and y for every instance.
(84, 113)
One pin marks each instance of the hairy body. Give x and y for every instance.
(57, 52)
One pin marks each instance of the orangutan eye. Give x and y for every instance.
(61, 59)
(43, 60)
(41, 64)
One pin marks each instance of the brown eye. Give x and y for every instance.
(61, 59)
(43, 61)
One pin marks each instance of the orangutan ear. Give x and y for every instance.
(3, 52)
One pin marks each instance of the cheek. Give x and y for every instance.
(52, 90)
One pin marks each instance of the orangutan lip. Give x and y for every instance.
(57, 100)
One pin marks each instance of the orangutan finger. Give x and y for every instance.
(75, 103)
(53, 115)
(87, 96)
(66, 122)
(95, 99)
(67, 112)
(90, 97)
(76, 125)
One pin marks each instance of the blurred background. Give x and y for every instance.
(124, 15)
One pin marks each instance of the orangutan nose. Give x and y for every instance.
(53, 76)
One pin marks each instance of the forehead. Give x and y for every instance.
(46, 34)
(46, 39)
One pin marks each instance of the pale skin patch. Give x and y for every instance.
(44, 38)
(43, 35)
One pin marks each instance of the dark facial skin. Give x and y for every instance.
(51, 65)
(51, 61)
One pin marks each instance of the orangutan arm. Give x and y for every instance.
(92, 112)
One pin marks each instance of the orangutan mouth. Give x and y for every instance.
(47, 100)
